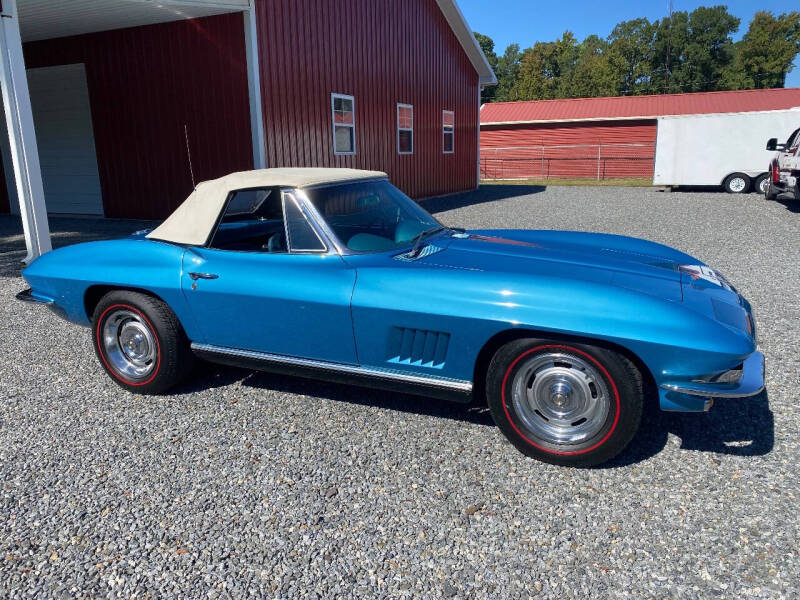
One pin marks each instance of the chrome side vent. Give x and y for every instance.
(418, 347)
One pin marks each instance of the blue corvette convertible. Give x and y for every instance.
(336, 274)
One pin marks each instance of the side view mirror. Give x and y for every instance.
(772, 144)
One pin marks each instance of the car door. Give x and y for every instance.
(790, 150)
(267, 282)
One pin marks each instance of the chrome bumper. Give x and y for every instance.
(28, 296)
(749, 384)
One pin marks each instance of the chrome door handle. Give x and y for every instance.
(196, 276)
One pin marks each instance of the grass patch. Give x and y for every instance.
(576, 181)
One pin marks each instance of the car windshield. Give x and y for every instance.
(371, 216)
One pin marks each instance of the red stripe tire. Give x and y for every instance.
(564, 403)
(140, 342)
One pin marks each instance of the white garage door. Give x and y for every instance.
(63, 122)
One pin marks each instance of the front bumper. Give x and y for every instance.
(36, 298)
(28, 296)
(750, 383)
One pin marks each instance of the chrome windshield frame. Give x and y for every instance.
(319, 222)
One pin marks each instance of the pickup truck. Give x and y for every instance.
(785, 167)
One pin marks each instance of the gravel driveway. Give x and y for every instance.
(254, 484)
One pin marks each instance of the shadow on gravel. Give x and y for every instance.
(789, 202)
(212, 375)
(741, 427)
(485, 193)
(700, 189)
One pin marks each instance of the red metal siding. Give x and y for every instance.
(381, 52)
(145, 83)
(583, 149)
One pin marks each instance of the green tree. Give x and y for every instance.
(631, 49)
(487, 45)
(507, 72)
(766, 53)
(537, 73)
(709, 50)
(595, 73)
(693, 51)
(567, 56)
(684, 52)
(545, 68)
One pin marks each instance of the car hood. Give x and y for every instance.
(624, 262)
(572, 254)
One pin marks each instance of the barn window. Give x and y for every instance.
(448, 126)
(344, 124)
(405, 129)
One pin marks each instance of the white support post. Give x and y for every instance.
(478, 161)
(21, 134)
(254, 87)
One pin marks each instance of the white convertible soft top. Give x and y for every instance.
(193, 220)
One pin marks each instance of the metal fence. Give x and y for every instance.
(596, 161)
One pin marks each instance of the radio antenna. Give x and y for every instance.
(189, 154)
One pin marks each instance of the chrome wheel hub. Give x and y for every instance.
(129, 344)
(560, 398)
(737, 184)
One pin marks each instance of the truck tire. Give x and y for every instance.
(797, 191)
(761, 184)
(770, 194)
(736, 183)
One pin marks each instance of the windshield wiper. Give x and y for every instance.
(417, 239)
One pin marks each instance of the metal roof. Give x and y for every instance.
(461, 29)
(638, 107)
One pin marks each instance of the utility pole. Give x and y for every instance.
(669, 50)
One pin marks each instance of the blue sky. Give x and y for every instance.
(526, 21)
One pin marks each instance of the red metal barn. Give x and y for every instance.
(597, 138)
(118, 90)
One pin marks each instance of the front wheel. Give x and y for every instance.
(565, 403)
(761, 184)
(140, 342)
(770, 194)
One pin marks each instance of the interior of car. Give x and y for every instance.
(370, 216)
(253, 222)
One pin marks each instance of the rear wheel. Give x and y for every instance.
(761, 184)
(140, 342)
(736, 183)
(564, 403)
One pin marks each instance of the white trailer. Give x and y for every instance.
(726, 149)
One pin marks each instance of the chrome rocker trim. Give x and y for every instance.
(27, 296)
(394, 380)
(749, 384)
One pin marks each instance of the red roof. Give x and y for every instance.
(637, 107)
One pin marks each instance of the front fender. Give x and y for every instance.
(472, 306)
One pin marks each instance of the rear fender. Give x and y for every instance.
(66, 275)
